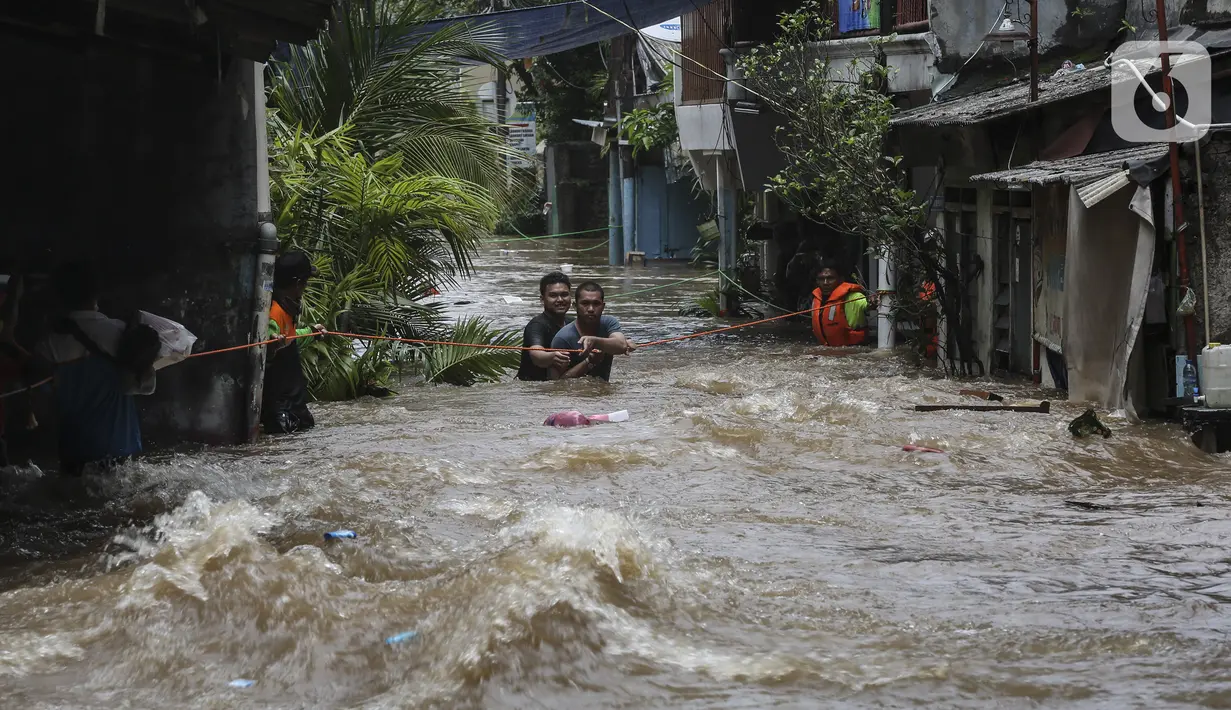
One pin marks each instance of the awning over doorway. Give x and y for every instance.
(1077, 170)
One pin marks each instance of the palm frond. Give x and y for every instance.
(454, 365)
(395, 85)
(382, 168)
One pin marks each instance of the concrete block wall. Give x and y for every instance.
(576, 186)
(1216, 167)
(960, 26)
(146, 166)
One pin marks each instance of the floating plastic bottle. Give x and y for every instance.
(341, 535)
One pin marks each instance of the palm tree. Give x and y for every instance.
(384, 171)
(398, 87)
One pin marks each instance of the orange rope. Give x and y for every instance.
(249, 345)
(36, 385)
(414, 341)
(723, 330)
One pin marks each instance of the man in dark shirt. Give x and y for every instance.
(539, 364)
(597, 335)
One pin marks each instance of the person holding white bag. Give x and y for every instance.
(100, 364)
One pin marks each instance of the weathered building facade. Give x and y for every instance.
(1074, 222)
(1013, 181)
(140, 133)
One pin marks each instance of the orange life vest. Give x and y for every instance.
(286, 324)
(829, 318)
(926, 294)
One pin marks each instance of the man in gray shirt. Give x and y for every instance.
(596, 334)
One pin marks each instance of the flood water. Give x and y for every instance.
(753, 537)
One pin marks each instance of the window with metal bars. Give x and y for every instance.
(911, 15)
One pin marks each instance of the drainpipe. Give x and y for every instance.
(1177, 203)
(1205, 275)
(885, 289)
(263, 287)
(267, 249)
(726, 232)
(615, 209)
(629, 202)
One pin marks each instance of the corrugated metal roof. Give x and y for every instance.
(1004, 101)
(1015, 98)
(1077, 170)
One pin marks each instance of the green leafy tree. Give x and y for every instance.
(837, 171)
(648, 129)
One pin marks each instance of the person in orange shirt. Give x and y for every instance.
(284, 408)
(839, 308)
(927, 294)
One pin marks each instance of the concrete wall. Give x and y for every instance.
(705, 129)
(146, 166)
(1216, 165)
(576, 186)
(1135, 13)
(479, 81)
(1213, 9)
(960, 26)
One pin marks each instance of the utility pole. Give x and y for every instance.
(1177, 203)
(1034, 50)
(628, 178)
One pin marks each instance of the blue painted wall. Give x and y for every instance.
(667, 215)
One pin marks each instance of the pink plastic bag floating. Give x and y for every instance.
(574, 418)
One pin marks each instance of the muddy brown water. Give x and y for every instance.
(754, 537)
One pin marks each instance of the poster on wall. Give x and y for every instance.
(521, 125)
(858, 15)
(1050, 254)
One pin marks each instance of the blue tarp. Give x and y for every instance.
(538, 31)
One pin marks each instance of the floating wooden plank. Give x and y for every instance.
(1041, 408)
(981, 394)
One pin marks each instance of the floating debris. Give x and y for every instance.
(404, 636)
(242, 683)
(1086, 506)
(1043, 407)
(1087, 424)
(341, 535)
(982, 394)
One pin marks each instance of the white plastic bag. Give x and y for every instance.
(1188, 304)
(177, 341)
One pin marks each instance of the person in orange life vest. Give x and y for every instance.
(284, 407)
(839, 308)
(927, 294)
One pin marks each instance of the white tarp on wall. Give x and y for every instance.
(1110, 254)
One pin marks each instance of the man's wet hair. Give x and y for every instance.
(76, 285)
(828, 263)
(591, 286)
(555, 277)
